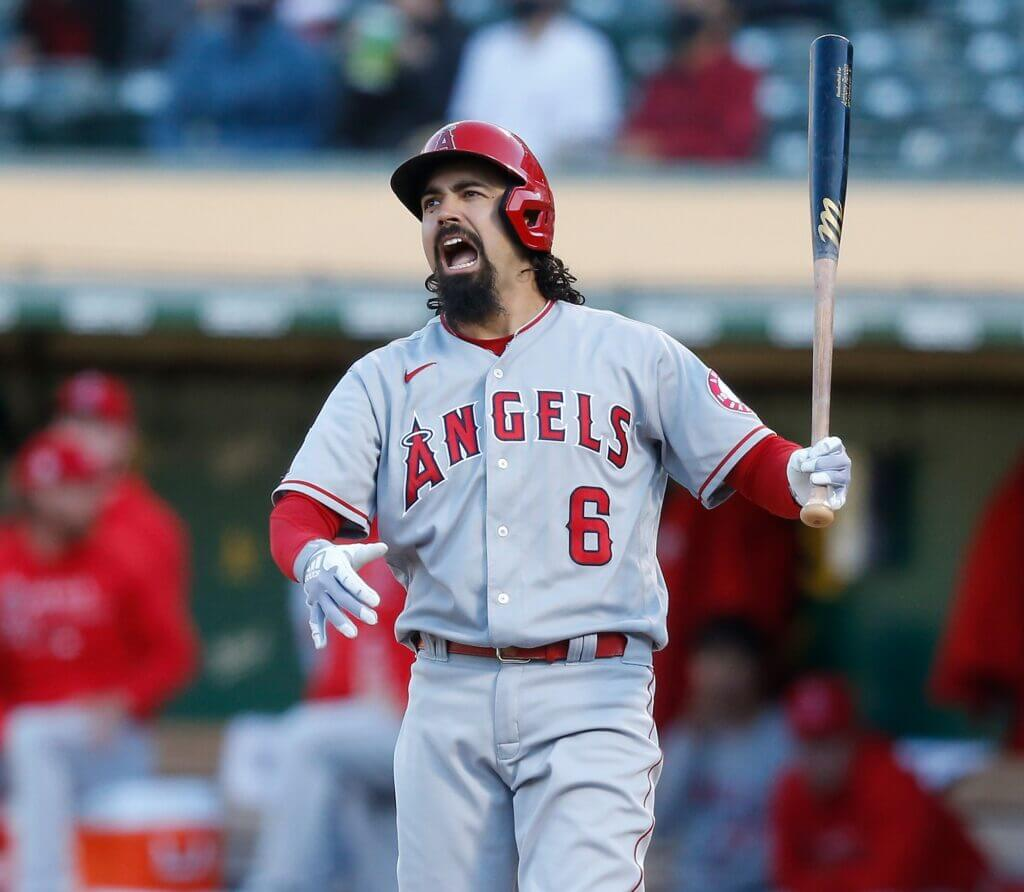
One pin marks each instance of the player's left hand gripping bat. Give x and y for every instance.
(828, 141)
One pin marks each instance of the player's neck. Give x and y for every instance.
(520, 301)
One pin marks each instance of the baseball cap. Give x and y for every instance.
(95, 394)
(50, 459)
(820, 706)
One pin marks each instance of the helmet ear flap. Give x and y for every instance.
(531, 216)
(506, 216)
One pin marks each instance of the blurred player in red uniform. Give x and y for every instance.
(981, 661)
(337, 760)
(849, 818)
(86, 651)
(96, 409)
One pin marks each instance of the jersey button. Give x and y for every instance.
(503, 531)
(498, 373)
(503, 463)
(502, 597)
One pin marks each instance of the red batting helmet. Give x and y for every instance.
(529, 205)
(95, 394)
(821, 706)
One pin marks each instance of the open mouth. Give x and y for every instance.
(458, 254)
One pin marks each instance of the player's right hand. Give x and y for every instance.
(335, 591)
(826, 463)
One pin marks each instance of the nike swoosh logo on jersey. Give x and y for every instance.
(410, 375)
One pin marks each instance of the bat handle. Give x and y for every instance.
(816, 513)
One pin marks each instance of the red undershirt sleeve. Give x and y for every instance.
(294, 521)
(760, 477)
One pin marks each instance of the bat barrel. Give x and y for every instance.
(828, 139)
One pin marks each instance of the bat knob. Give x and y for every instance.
(816, 514)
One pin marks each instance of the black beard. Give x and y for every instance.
(469, 298)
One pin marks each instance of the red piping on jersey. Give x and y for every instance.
(650, 785)
(497, 345)
(537, 318)
(728, 455)
(329, 495)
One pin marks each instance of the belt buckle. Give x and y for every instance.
(504, 659)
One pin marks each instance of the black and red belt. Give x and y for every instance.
(609, 644)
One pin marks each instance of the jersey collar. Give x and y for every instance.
(476, 342)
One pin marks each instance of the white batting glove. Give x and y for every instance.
(823, 464)
(335, 591)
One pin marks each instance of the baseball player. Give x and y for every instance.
(514, 452)
(96, 409)
(89, 649)
(847, 815)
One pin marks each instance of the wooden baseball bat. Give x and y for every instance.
(828, 147)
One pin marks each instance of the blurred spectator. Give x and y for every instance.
(721, 764)
(316, 20)
(244, 81)
(980, 664)
(777, 10)
(155, 28)
(73, 31)
(337, 753)
(85, 653)
(849, 818)
(702, 105)
(737, 560)
(96, 410)
(399, 71)
(546, 76)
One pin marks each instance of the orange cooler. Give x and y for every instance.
(152, 834)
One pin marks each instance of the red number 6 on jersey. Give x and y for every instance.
(598, 502)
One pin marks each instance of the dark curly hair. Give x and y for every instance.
(554, 281)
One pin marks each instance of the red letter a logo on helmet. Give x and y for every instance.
(445, 139)
(421, 466)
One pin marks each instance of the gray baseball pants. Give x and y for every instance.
(538, 773)
(52, 759)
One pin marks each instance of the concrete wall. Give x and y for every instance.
(721, 230)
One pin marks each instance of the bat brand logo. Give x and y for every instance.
(844, 84)
(830, 229)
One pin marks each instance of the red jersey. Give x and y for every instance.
(58, 30)
(981, 661)
(373, 664)
(708, 113)
(133, 509)
(882, 831)
(86, 624)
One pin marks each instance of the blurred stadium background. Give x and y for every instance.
(231, 276)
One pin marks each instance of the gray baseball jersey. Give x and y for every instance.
(520, 494)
